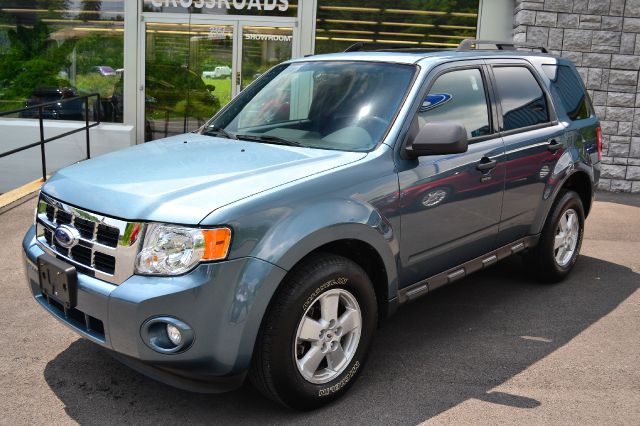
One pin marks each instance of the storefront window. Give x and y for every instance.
(190, 72)
(188, 76)
(54, 49)
(423, 23)
(224, 7)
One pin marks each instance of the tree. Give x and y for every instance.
(33, 61)
(93, 7)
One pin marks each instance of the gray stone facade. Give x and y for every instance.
(602, 37)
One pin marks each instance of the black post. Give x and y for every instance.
(86, 119)
(42, 153)
(99, 117)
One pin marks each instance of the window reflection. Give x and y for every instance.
(570, 90)
(330, 105)
(52, 50)
(458, 95)
(523, 101)
(420, 23)
(188, 76)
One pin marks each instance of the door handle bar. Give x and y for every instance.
(554, 145)
(486, 164)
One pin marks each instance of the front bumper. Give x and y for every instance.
(223, 302)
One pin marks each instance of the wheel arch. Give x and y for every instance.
(360, 243)
(580, 182)
(367, 257)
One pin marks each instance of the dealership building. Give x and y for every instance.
(163, 67)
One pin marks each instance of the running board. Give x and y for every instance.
(423, 287)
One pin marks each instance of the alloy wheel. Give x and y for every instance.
(566, 239)
(327, 336)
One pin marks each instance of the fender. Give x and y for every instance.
(283, 235)
(309, 229)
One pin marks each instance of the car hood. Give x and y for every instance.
(184, 178)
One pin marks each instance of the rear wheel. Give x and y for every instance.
(316, 335)
(557, 251)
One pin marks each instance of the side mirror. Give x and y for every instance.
(443, 137)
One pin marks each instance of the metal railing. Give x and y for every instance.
(41, 108)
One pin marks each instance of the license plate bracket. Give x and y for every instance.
(58, 280)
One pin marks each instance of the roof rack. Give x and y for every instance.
(363, 46)
(467, 44)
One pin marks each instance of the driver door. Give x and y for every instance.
(451, 204)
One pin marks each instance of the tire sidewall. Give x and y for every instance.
(293, 386)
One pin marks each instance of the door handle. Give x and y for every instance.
(486, 164)
(554, 145)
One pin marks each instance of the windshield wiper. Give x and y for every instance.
(219, 131)
(270, 139)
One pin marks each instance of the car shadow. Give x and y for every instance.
(458, 343)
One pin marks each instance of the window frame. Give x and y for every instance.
(448, 67)
(553, 116)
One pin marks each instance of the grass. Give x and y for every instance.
(223, 89)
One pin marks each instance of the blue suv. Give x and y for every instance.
(335, 188)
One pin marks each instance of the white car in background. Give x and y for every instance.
(218, 72)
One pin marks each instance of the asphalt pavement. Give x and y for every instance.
(494, 348)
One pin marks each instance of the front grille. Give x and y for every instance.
(51, 211)
(81, 254)
(48, 236)
(107, 235)
(104, 262)
(85, 227)
(62, 218)
(62, 250)
(101, 246)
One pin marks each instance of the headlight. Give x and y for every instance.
(173, 250)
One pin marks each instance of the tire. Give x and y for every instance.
(564, 225)
(301, 308)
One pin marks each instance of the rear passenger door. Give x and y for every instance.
(533, 141)
(450, 204)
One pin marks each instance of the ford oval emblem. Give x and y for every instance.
(434, 100)
(66, 236)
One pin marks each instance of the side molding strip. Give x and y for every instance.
(423, 287)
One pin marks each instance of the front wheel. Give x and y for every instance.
(557, 251)
(315, 337)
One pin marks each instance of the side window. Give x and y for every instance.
(570, 90)
(523, 101)
(458, 96)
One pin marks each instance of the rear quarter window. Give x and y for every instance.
(569, 90)
(523, 102)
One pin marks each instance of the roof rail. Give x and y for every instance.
(363, 46)
(467, 44)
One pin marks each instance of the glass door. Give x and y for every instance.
(188, 75)
(191, 68)
(262, 46)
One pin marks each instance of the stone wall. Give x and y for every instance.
(602, 37)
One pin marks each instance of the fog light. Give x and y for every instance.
(174, 334)
(167, 335)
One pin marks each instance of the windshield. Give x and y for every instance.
(332, 105)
